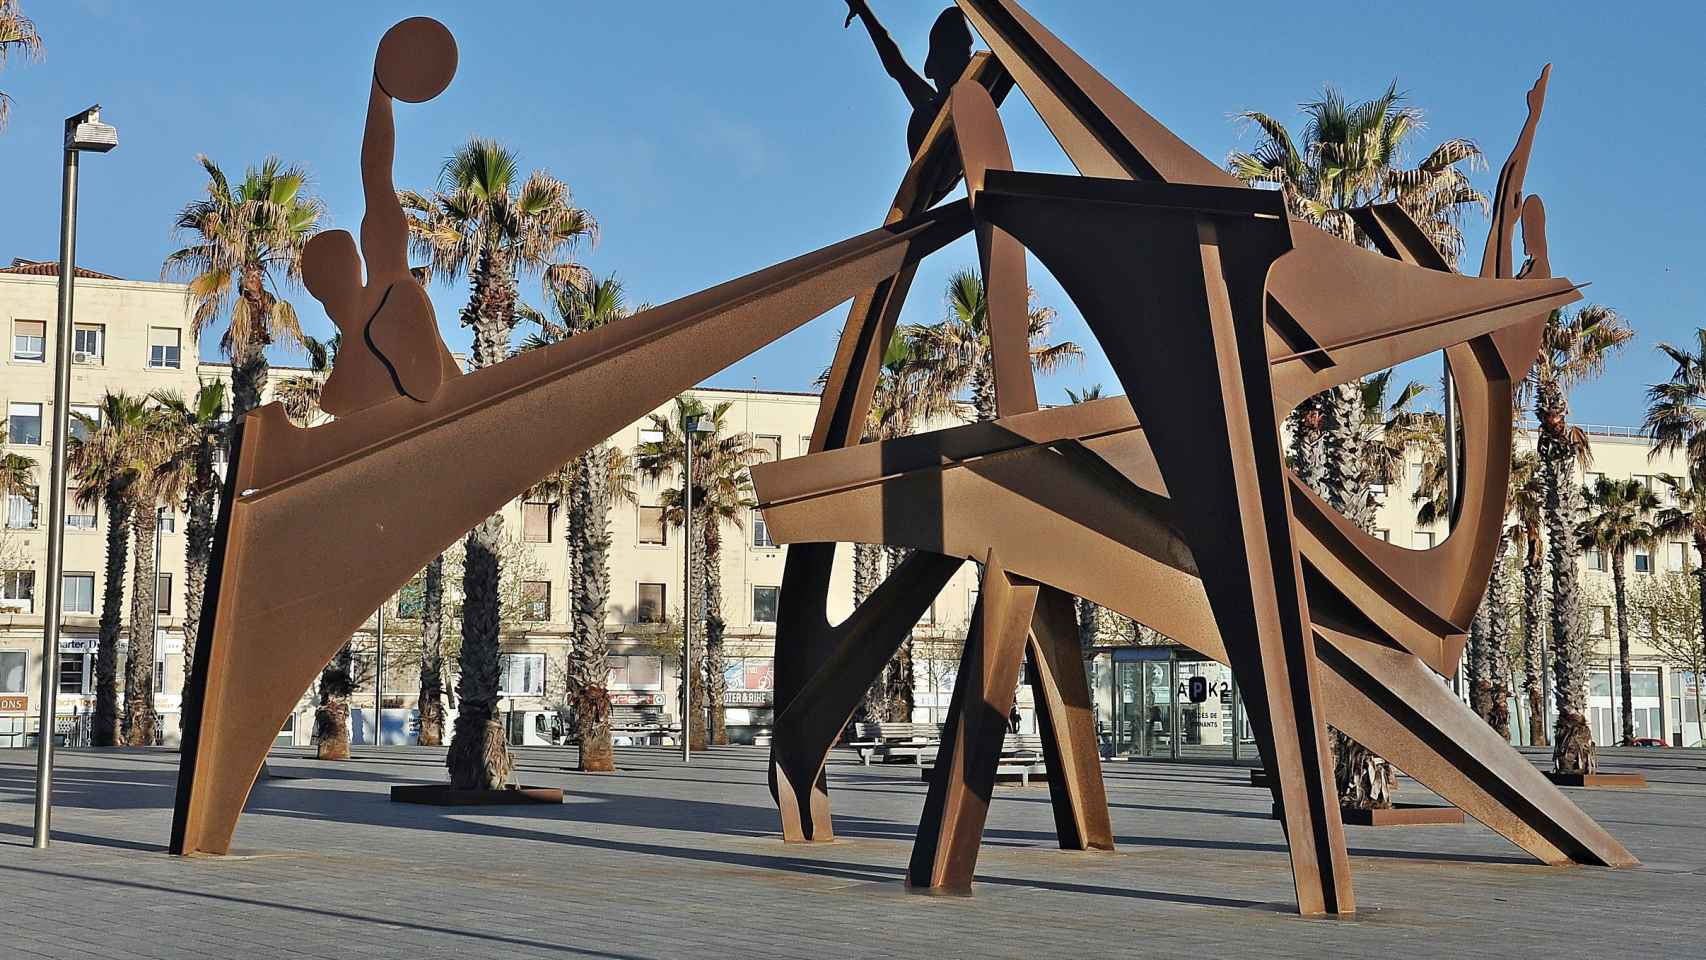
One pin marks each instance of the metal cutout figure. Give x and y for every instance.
(1172, 505)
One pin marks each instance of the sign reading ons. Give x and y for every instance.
(17, 701)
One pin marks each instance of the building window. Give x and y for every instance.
(73, 673)
(1678, 556)
(13, 664)
(29, 340)
(18, 591)
(163, 595)
(770, 447)
(764, 601)
(78, 516)
(1595, 559)
(805, 445)
(24, 424)
(85, 418)
(164, 347)
(78, 593)
(653, 532)
(1384, 534)
(761, 532)
(21, 508)
(88, 343)
(411, 600)
(649, 607)
(1643, 560)
(521, 674)
(1422, 539)
(168, 520)
(159, 669)
(636, 673)
(536, 522)
(536, 600)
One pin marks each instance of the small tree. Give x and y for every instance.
(1669, 607)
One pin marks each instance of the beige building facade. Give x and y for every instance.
(136, 336)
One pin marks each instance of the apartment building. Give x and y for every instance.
(136, 336)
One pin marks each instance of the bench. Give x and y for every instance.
(1021, 759)
(892, 741)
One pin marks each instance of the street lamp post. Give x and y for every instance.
(379, 680)
(691, 426)
(83, 132)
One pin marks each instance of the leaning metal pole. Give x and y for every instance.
(687, 594)
(56, 501)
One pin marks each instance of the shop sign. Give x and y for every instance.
(626, 699)
(11, 701)
(748, 698)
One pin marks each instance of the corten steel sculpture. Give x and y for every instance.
(1173, 507)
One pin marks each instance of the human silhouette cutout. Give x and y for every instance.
(950, 54)
(390, 334)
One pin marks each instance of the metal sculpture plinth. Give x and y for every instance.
(1599, 781)
(1172, 505)
(441, 795)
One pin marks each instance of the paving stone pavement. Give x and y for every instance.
(663, 860)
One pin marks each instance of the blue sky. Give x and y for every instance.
(712, 139)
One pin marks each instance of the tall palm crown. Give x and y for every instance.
(484, 221)
(1676, 409)
(1620, 516)
(1351, 155)
(19, 33)
(245, 246)
(1574, 349)
(721, 486)
(955, 355)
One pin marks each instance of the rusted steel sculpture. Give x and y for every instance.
(1172, 506)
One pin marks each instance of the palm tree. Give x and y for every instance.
(1620, 518)
(721, 495)
(17, 474)
(152, 487)
(1528, 507)
(16, 30)
(107, 461)
(199, 433)
(431, 693)
(955, 355)
(1676, 421)
(245, 242)
(587, 487)
(482, 222)
(1352, 155)
(1573, 349)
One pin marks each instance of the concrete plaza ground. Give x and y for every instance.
(662, 860)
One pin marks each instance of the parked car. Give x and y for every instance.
(1645, 742)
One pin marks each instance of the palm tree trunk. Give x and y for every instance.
(1620, 597)
(1499, 646)
(1308, 456)
(866, 556)
(1572, 750)
(431, 698)
(900, 679)
(695, 616)
(249, 365)
(479, 757)
(716, 682)
(140, 720)
(199, 508)
(1477, 659)
(1700, 681)
(104, 732)
(1533, 571)
(331, 715)
(589, 664)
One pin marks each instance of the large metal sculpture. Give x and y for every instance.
(1172, 505)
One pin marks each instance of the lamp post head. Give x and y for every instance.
(86, 132)
(701, 424)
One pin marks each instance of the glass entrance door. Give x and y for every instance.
(1144, 718)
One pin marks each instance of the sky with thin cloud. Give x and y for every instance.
(713, 139)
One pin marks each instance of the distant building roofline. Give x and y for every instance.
(22, 267)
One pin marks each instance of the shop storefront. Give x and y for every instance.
(1167, 703)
